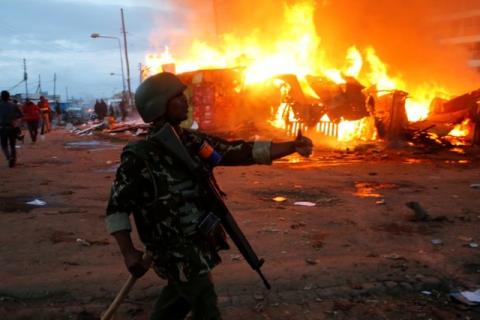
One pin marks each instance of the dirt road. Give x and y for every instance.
(356, 254)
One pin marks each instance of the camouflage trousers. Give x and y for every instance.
(177, 299)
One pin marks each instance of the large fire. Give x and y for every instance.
(297, 49)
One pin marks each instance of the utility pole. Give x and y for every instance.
(66, 93)
(54, 86)
(39, 86)
(25, 77)
(140, 71)
(130, 99)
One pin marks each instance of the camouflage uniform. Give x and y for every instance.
(167, 203)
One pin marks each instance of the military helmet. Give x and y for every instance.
(153, 94)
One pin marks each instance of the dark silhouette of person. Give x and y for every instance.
(9, 114)
(123, 109)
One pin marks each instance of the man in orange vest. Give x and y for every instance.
(31, 115)
(45, 110)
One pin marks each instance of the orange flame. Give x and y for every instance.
(295, 49)
(461, 130)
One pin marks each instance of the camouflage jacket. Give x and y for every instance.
(167, 201)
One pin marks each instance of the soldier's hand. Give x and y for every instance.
(303, 145)
(135, 263)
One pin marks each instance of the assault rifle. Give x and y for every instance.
(171, 143)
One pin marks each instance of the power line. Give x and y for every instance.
(11, 88)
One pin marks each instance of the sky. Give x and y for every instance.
(54, 37)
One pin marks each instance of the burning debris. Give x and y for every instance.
(286, 82)
(137, 128)
(345, 112)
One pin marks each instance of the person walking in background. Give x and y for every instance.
(18, 123)
(58, 113)
(111, 111)
(98, 110)
(8, 134)
(103, 110)
(123, 109)
(31, 115)
(45, 110)
(96, 107)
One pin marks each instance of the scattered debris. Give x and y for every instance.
(473, 245)
(279, 199)
(311, 261)
(236, 257)
(134, 127)
(437, 242)
(475, 185)
(270, 230)
(471, 298)
(137, 128)
(427, 293)
(382, 201)
(87, 243)
(37, 202)
(305, 203)
(420, 213)
(83, 242)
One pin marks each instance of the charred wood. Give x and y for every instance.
(390, 116)
(476, 120)
(466, 101)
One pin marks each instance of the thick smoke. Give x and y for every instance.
(404, 33)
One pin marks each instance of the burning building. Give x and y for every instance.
(280, 73)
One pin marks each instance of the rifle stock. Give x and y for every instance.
(170, 141)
